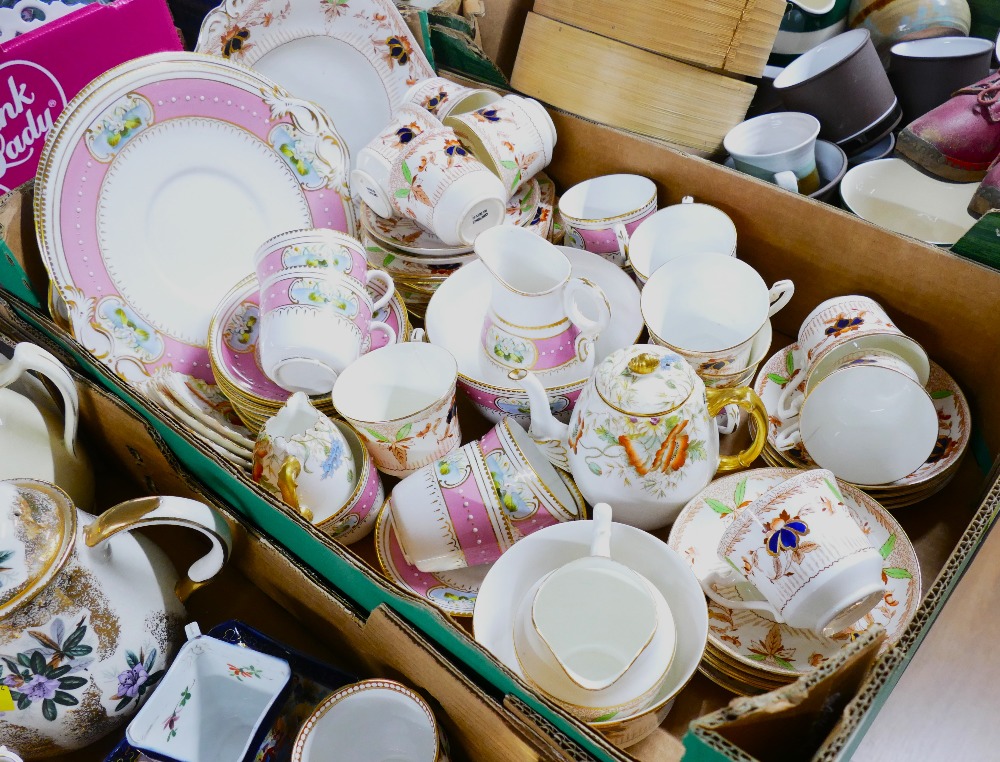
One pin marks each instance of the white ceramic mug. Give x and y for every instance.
(401, 400)
(321, 249)
(301, 457)
(600, 214)
(314, 323)
(370, 178)
(684, 228)
(594, 634)
(841, 326)
(779, 147)
(370, 720)
(442, 186)
(800, 548)
(513, 136)
(709, 308)
(870, 421)
(442, 97)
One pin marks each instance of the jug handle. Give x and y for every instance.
(288, 476)
(747, 399)
(171, 511)
(32, 357)
(589, 329)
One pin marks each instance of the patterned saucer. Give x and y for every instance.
(755, 641)
(406, 235)
(235, 328)
(954, 421)
(454, 592)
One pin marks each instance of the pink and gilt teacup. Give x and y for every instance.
(600, 214)
(314, 323)
(321, 249)
(468, 508)
(442, 97)
(370, 178)
(513, 136)
(439, 184)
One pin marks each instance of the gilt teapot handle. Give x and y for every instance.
(32, 357)
(171, 511)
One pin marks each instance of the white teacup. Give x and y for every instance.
(370, 720)
(594, 634)
(401, 400)
(800, 548)
(301, 457)
(779, 148)
(370, 178)
(870, 421)
(709, 307)
(684, 228)
(314, 323)
(442, 97)
(600, 214)
(841, 326)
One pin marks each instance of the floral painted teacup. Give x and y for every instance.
(401, 400)
(468, 508)
(439, 184)
(442, 97)
(314, 323)
(600, 214)
(513, 136)
(799, 546)
(302, 457)
(321, 249)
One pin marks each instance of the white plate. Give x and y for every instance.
(519, 568)
(354, 58)
(153, 186)
(456, 312)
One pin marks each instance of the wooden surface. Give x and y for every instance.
(942, 708)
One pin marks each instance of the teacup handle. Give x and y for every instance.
(789, 401)
(378, 325)
(32, 357)
(600, 544)
(622, 238)
(788, 438)
(787, 180)
(288, 476)
(728, 578)
(418, 335)
(747, 399)
(780, 294)
(589, 329)
(171, 511)
(381, 276)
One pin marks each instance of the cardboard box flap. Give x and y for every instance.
(789, 724)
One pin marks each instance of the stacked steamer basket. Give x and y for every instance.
(616, 64)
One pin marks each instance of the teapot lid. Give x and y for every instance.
(37, 530)
(645, 379)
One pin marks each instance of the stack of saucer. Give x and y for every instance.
(954, 428)
(232, 346)
(748, 652)
(419, 261)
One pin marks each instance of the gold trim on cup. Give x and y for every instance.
(605, 220)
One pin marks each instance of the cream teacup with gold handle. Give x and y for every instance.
(302, 457)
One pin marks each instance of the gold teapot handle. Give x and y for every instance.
(288, 475)
(747, 399)
(175, 511)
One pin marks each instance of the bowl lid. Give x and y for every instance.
(37, 529)
(645, 379)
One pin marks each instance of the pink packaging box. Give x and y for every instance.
(43, 70)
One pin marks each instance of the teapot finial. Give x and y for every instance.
(644, 363)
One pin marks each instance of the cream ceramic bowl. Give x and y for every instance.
(893, 194)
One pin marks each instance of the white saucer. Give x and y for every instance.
(517, 570)
(456, 312)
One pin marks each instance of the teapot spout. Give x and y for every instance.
(550, 434)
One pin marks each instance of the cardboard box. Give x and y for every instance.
(43, 70)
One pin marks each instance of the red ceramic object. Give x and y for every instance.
(959, 139)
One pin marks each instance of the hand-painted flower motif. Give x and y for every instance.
(842, 324)
(770, 650)
(170, 724)
(244, 672)
(119, 124)
(130, 329)
(453, 469)
(785, 533)
(408, 132)
(434, 101)
(487, 115)
(138, 678)
(333, 460)
(243, 329)
(400, 50)
(234, 41)
(333, 8)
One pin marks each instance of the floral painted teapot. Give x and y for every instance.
(643, 433)
(89, 614)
